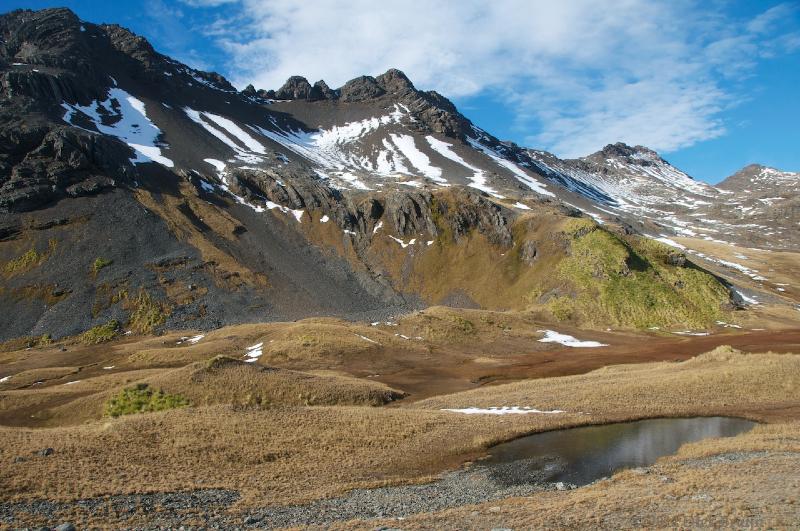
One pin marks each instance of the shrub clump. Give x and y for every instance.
(100, 263)
(101, 333)
(142, 399)
(147, 313)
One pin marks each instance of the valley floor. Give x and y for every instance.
(328, 410)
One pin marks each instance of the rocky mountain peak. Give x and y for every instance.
(360, 89)
(393, 81)
(295, 88)
(624, 151)
(51, 37)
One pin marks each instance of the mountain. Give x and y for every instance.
(134, 188)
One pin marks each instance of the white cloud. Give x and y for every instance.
(207, 3)
(579, 73)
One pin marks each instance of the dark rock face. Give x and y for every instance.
(528, 252)
(295, 88)
(360, 89)
(394, 81)
(66, 162)
(322, 88)
(408, 212)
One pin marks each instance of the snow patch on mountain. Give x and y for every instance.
(518, 172)
(123, 116)
(418, 159)
(478, 177)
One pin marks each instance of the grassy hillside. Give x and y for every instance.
(560, 267)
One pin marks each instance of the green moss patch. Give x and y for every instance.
(100, 263)
(632, 282)
(142, 399)
(101, 333)
(30, 259)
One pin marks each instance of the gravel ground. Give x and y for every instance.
(464, 487)
(210, 508)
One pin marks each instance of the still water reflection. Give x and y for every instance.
(583, 455)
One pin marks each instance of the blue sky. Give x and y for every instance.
(712, 85)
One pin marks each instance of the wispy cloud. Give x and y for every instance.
(207, 3)
(578, 73)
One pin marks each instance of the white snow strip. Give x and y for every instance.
(195, 339)
(377, 227)
(298, 214)
(745, 298)
(690, 333)
(532, 183)
(4, 379)
(218, 164)
(203, 119)
(551, 336)
(402, 243)
(478, 177)
(365, 338)
(324, 219)
(521, 206)
(254, 351)
(237, 132)
(109, 367)
(72, 382)
(418, 159)
(671, 243)
(123, 116)
(503, 410)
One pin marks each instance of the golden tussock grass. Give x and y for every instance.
(721, 381)
(290, 454)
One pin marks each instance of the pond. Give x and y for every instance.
(582, 455)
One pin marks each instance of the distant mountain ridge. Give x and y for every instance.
(215, 206)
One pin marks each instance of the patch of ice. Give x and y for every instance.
(551, 336)
(195, 339)
(377, 227)
(521, 206)
(4, 379)
(298, 214)
(324, 219)
(109, 367)
(503, 410)
(123, 116)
